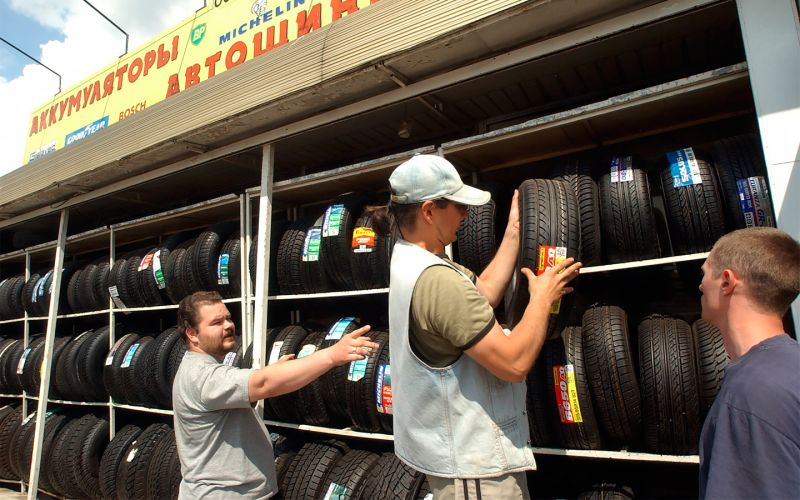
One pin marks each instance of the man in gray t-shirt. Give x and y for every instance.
(223, 445)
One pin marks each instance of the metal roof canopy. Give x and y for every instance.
(174, 184)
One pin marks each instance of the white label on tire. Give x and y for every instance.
(114, 293)
(754, 201)
(81, 335)
(222, 269)
(332, 222)
(158, 273)
(110, 357)
(28, 418)
(126, 361)
(338, 329)
(311, 245)
(306, 350)
(229, 358)
(622, 169)
(132, 454)
(684, 168)
(145, 262)
(21, 364)
(383, 390)
(275, 353)
(336, 492)
(357, 370)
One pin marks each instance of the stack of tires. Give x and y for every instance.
(11, 306)
(357, 394)
(339, 250)
(11, 350)
(331, 469)
(589, 389)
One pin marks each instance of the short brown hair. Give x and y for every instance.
(767, 259)
(189, 305)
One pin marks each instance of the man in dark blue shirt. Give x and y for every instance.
(750, 443)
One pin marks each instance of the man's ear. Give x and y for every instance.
(729, 281)
(427, 210)
(191, 334)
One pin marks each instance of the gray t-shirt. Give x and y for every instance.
(224, 447)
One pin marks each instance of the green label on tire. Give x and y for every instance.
(126, 361)
(337, 492)
(311, 245)
(158, 274)
(333, 220)
(306, 350)
(338, 329)
(357, 370)
(222, 269)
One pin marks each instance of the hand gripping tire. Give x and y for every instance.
(568, 350)
(360, 392)
(308, 471)
(548, 216)
(670, 400)
(337, 238)
(629, 225)
(612, 373)
(579, 174)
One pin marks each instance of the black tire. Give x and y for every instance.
(89, 364)
(290, 256)
(131, 285)
(540, 425)
(131, 387)
(143, 384)
(29, 375)
(11, 361)
(694, 212)
(315, 278)
(8, 427)
(16, 452)
(286, 407)
(54, 422)
(8, 348)
(737, 158)
(116, 277)
(113, 456)
(607, 491)
(310, 397)
(712, 360)
(28, 293)
(91, 451)
(347, 477)
(75, 299)
(228, 267)
(11, 297)
(307, 472)
(59, 347)
(61, 387)
(335, 379)
(337, 238)
(629, 225)
(159, 471)
(206, 255)
(173, 270)
(670, 400)
(612, 373)
(132, 472)
(476, 241)
(368, 255)
(64, 470)
(145, 278)
(175, 359)
(548, 216)
(391, 478)
(360, 393)
(112, 378)
(579, 174)
(188, 271)
(165, 344)
(584, 434)
(100, 295)
(383, 392)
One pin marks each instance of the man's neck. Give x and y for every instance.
(747, 327)
(427, 242)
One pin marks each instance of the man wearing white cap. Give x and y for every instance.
(460, 419)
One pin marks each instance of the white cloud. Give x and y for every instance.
(89, 44)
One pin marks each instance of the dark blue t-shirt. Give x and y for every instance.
(750, 443)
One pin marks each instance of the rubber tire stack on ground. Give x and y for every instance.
(548, 216)
(712, 360)
(612, 373)
(736, 158)
(568, 350)
(360, 394)
(628, 219)
(694, 213)
(579, 174)
(308, 470)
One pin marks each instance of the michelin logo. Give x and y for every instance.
(83, 133)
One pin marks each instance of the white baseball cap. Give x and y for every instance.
(431, 177)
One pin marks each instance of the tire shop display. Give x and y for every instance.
(590, 131)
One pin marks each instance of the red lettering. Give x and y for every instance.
(163, 57)
(309, 22)
(86, 91)
(96, 89)
(62, 106)
(192, 75)
(258, 47)
(174, 47)
(341, 6)
(120, 72)
(237, 48)
(74, 103)
(135, 70)
(108, 85)
(51, 119)
(211, 63)
(173, 86)
(149, 59)
(43, 120)
(34, 126)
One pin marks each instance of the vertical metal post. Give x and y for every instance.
(262, 259)
(771, 35)
(44, 388)
(244, 261)
(247, 287)
(112, 329)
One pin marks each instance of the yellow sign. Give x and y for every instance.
(220, 36)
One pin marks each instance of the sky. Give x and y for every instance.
(70, 38)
